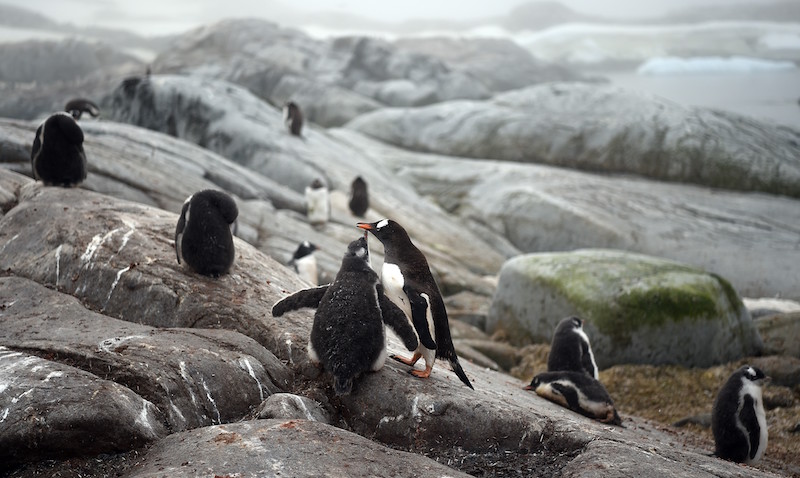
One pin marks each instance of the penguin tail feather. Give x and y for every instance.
(342, 386)
(460, 372)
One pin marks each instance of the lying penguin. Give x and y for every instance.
(577, 391)
(348, 337)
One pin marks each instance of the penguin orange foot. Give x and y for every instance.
(410, 362)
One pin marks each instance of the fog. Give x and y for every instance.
(150, 17)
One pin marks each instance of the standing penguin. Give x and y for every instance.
(577, 391)
(293, 118)
(348, 335)
(318, 205)
(77, 106)
(738, 419)
(409, 284)
(359, 199)
(304, 262)
(57, 156)
(570, 349)
(203, 238)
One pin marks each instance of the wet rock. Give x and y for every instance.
(638, 309)
(290, 406)
(602, 128)
(299, 448)
(50, 410)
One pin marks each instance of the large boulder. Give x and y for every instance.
(638, 309)
(326, 78)
(602, 128)
(750, 239)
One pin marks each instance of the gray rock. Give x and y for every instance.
(780, 333)
(290, 406)
(784, 370)
(602, 128)
(541, 208)
(50, 410)
(193, 377)
(502, 354)
(329, 79)
(638, 309)
(766, 306)
(297, 448)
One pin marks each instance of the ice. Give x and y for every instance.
(671, 65)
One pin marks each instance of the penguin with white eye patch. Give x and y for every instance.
(570, 349)
(409, 283)
(738, 420)
(348, 337)
(579, 392)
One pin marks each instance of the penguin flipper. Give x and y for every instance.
(302, 298)
(419, 316)
(396, 319)
(748, 418)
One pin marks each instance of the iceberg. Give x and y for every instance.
(671, 65)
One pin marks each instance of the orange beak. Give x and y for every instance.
(365, 225)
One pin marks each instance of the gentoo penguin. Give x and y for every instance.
(359, 199)
(409, 283)
(57, 156)
(77, 106)
(304, 262)
(577, 391)
(293, 118)
(203, 238)
(738, 419)
(570, 349)
(348, 335)
(318, 205)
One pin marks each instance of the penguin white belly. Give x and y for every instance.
(307, 269)
(755, 392)
(393, 283)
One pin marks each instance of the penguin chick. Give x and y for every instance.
(410, 284)
(318, 206)
(203, 238)
(77, 106)
(293, 118)
(577, 391)
(348, 336)
(305, 263)
(738, 420)
(359, 198)
(570, 349)
(57, 156)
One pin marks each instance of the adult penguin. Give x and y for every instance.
(293, 118)
(57, 156)
(409, 283)
(348, 337)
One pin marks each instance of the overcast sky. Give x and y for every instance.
(173, 16)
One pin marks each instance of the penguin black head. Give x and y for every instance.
(77, 106)
(358, 249)
(385, 230)
(534, 383)
(755, 375)
(305, 248)
(317, 184)
(57, 156)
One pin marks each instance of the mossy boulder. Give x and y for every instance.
(639, 309)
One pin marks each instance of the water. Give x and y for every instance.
(763, 95)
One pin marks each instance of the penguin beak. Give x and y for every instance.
(527, 387)
(366, 226)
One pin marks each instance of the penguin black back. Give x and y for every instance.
(57, 156)
(420, 287)
(203, 238)
(738, 420)
(77, 106)
(570, 349)
(359, 198)
(347, 335)
(293, 118)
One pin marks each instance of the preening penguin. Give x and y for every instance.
(359, 198)
(304, 262)
(318, 205)
(57, 156)
(77, 106)
(738, 419)
(293, 118)
(203, 238)
(577, 391)
(348, 334)
(409, 283)
(570, 349)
